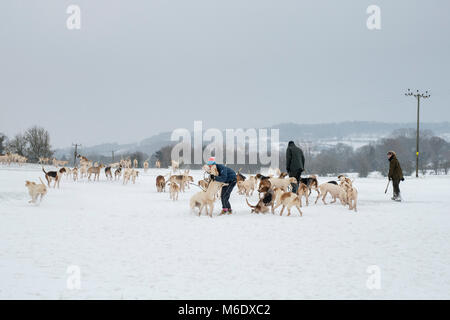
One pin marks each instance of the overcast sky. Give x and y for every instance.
(136, 68)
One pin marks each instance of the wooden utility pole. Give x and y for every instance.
(75, 153)
(417, 95)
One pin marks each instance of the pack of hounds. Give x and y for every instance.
(274, 190)
(125, 169)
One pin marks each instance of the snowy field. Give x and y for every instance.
(131, 242)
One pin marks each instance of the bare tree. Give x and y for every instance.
(436, 146)
(3, 140)
(18, 145)
(38, 143)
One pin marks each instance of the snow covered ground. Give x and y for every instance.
(130, 242)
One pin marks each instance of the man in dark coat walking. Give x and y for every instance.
(295, 163)
(395, 174)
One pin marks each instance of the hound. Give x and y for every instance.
(352, 196)
(95, 171)
(247, 187)
(311, 182)
(118, 173)
(334, 190)
(266, 200)
(75, 174)
(35, 190)
(205, 199)
(282, 183)
(52, 175)
(287, 200)
(108, 173)
(160, 184)
(174, 190)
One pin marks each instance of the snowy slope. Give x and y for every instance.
(132, 242)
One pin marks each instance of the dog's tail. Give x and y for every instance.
(250, 204)
(44, 170)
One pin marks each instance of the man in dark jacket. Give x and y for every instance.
(395, 174)
(228, 176)
(295, 163)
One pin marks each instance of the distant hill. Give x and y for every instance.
(342, 130)
(354, 133)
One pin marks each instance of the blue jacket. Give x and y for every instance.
(225, 174)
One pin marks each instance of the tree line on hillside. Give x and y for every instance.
(342, 158)
(33, 144)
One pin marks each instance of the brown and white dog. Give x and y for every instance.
(108, 173)
(311, 182)
(282, 183)
(303, 191)
(337, 192)
(352, 195)
(75, 174)
(95, 171)
(52, 176)
(35, 190)
(266, 200)
(174, 190)
(247, 187)
(118, 173)
(287, 200)
(205, 199)
(160, 184)
(343, 179)
(203, 184)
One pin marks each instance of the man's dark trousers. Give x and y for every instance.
(396, 186)
(225, 194)
(297, 176)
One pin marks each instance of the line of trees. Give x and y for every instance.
(342, 158)
(33, 144)
(434, 155)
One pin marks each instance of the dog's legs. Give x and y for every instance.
(301, 214)
(318, 195)
(277, 205)
(282, 209)
(323, 198)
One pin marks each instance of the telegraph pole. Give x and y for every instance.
(112, 153)
(75, 153)
(417, 95)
